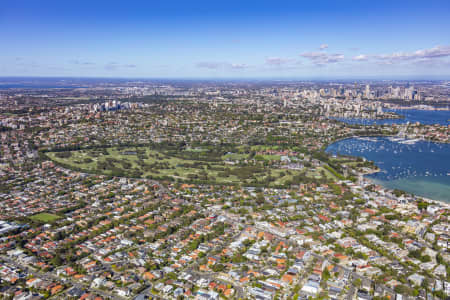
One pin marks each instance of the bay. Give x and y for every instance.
(428, 117)
(421, 168)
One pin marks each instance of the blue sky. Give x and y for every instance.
(220, 39)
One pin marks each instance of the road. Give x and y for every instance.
(352, 273)
(351, 292)
(74, 283)
(147, 292)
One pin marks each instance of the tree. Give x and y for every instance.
(357, 282)
(326, 275)
(401, 289)
(425, 283)
(218, 267)
(57, 261)
(422, 205)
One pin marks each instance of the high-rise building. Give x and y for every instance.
(409, 93)
(367, 92)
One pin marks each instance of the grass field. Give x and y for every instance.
(196, 164)
(45, 217)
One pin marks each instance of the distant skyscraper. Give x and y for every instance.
(367, 93)
(409, 93)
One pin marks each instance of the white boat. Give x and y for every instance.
(395, 139)
(366, 138)
(409, 142)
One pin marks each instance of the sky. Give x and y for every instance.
(226, 39)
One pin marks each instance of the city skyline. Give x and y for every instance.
(232, 40)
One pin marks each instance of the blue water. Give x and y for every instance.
(420, 168)
(440, 117)
(36, 86)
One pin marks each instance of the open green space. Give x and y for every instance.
(45, 217)
(205, 164)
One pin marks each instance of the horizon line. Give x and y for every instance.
(269, 78)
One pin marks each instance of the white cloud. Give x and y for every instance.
(112, 66)
(361, 57)
(239, 66)
(436, 52)
(221, 65)
(419, 55)
(81, 62)
(321, 58)
(323, 46)
(278, 61)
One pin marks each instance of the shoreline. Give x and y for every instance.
(374, 181)
(438, 202)
(430, 108)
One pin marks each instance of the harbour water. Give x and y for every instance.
(418, 167)
(428, 117)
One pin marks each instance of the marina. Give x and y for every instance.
(413, 165)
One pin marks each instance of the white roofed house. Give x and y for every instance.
(123, 292)
(416, 279)
(440, 271)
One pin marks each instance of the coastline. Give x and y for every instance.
(433, 190)
(428, 108)
(434, 201)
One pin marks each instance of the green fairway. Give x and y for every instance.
(197, 164)
(45, 217)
